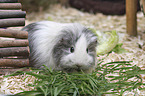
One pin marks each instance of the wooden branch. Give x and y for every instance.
(13, 22)
(131, 18)
(12, 14)
(8, 1)
(143, 4)
(9, 10)
(11, 70)
(10, 6)
(13, 33)
(14, 51)
(13, 43)
(14, 62)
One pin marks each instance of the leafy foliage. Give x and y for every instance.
(106, 41)
(118, 49)
(109, 78)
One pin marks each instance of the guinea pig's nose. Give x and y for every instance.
(78, 66)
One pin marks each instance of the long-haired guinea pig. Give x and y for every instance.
(69, 47)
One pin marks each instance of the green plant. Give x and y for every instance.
(106, 41)
(99, 82)
(118, 49)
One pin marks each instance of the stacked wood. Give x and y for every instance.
(11, 14)
(13, 52)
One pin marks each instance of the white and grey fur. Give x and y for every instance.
(69, 47)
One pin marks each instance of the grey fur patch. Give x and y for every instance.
(30, 28)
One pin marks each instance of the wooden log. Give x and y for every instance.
(13, 33)
(143, 4)
(10, 6)
(14, 62)
(9, 10)
(13, 43)
(14, 51)
(13, 22)
(12, 14)
(131, 18)
(8, 1)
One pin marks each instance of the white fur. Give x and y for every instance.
(46, 37)
(80, 56)
(44, 42)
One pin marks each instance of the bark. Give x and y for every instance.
(12, 14)
(8, 1)
(143, 5)
(10, 6)
(14, 63)
(131, 17)
(12, 22)
(14, 51)
(13, 33)
(13, 43)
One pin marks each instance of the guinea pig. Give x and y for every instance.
(69, 47)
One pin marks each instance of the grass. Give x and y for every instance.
(110, 78)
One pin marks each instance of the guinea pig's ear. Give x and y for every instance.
(63, 40)
(96, 41)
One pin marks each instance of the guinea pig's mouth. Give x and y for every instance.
(70, 70)
(75, 68)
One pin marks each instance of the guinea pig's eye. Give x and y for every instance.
(72, 49)
(87, 50)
